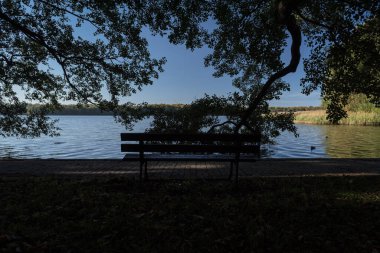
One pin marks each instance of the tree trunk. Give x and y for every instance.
(285, 17)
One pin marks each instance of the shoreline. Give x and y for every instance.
(373, 124)
(318, 117)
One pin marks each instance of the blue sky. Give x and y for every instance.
(185, 78)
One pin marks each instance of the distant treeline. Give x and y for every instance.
(93, 110)
(74, 110)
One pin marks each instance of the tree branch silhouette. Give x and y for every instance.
(287, 18)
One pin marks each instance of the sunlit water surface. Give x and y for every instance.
(98, 137)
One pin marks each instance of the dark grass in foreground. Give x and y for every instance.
(308, 214)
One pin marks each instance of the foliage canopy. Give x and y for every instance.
(38, 37)
(353, 72)
(247, 41)
(250, 37)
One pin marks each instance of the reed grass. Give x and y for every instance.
(354, 118)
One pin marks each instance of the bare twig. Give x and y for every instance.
(70, 12)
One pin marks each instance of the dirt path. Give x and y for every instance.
(181, 170)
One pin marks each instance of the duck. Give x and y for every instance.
(312, 148)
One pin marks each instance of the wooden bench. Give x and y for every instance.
(144, 147)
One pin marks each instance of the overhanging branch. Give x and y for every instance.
(38, 38)
(295, 32)
(70, 12)
(314, 22)
(221, 124)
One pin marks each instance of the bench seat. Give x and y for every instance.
(232, 148)
(186, 157)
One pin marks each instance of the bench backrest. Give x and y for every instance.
(207, 143)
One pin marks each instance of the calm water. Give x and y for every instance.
(98, 137)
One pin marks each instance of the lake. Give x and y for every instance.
(98, 137)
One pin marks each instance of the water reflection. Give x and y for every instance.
(91, 137)
(288, 146)
(325, 141)
(352, 141)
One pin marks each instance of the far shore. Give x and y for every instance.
(318, 117)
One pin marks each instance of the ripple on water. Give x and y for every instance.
(329, 141)
(99, 137)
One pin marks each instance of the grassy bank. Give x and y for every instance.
(309, 214)
(354, 118)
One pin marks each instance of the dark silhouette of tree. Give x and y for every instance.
(248, 41)
(44, 54)
(39, 36)
(353, 72)
(251, 36)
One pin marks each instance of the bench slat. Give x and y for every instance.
(178, 157)
(189, 137)
(189, 148)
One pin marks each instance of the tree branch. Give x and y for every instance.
(7, 61)
(295, 33)
(227, 122)
(38, 38)
(70, 12)
(221, 124)
(311, 21)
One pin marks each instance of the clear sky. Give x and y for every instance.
(186, 78)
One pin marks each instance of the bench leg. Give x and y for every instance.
(141, 170)
(146, 170)
(237, 173)
(231, 170)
